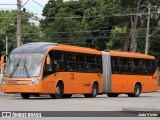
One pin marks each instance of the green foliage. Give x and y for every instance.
(99, 24)
(30, 32)
(117, 38)
(59, 26)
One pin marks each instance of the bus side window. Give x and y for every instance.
(123, 62)
(133, 67)
(58, 60)
(80, 62)
(70, 62)
(99, 64)
(153, 66)
(115, 64)
(147, 67)
(91, 63)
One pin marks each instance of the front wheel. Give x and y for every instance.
(94, 91)
(59, 91)
(137, 91)
(25, 95)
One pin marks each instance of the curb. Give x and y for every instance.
(138, 110)
(11, 95)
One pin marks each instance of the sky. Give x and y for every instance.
(31, 6)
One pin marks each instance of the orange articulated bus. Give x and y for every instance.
(62, 70)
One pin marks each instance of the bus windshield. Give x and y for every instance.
(24, 65)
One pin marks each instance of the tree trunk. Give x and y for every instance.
(126, 42)
(134, 20)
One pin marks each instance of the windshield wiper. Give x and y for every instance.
(14, 69)
(25, 67)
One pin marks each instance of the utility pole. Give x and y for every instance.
(19, 24)
(147, 32)
(6, 45)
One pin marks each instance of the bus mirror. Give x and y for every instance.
(3, 63)
(48, 60)
(2, 59)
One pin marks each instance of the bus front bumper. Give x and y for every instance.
(38, 88)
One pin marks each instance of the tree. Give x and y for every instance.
(58, 25)
(30, 32)
(90, 25)
(101, 24)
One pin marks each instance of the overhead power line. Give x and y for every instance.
(88, 31)
(106, 16)
(88, 17)
(80, 36)
(37, 3)
(25, 3)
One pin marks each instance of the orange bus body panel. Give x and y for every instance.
(23, 88)
(130, 54)
(75, 83)
(125, 83)
(122, 83)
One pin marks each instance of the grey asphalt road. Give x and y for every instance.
(146, 102)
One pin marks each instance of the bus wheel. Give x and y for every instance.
(67, 95)
(112, 94)
(137, 91)
(25, 95)
(59, 91)
(94, 91)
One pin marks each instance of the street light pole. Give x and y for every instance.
(6, 45)
(147, 32)
(19, 24)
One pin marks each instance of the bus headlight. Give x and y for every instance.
(35, 82)
(4, 81)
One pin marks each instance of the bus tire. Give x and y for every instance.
(137, 91)
(112, 94)
(59, 91)
(25, 95)
(94, 91)
(67, 95)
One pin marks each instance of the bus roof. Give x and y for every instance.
(131, 54)
(38, 47)
(77, 49)
(43, 47)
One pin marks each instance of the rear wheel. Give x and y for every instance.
(25, 95)
(112, 94)
(137, 91)
(94, 91)
(59, 91)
